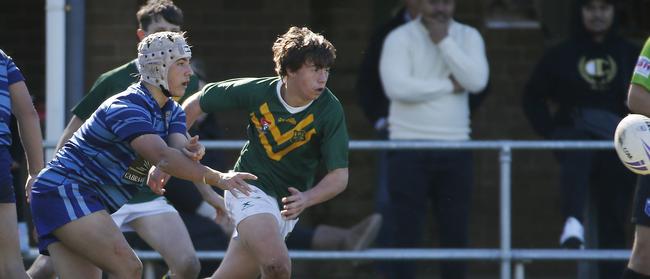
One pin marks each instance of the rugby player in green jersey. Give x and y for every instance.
(638, 267)
(295, 123)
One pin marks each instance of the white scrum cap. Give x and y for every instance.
(157, 52)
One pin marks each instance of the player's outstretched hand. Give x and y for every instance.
(294, 204)
(157, 179)
(193, 149)
(235, 182)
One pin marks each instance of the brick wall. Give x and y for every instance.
(233, 38)
(23, 38)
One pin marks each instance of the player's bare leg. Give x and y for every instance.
(11, 262)
(259, 243)
(41, 268)
(71, 265)
(237, 263)
(167, 234)
(640, 258)
(94, 237)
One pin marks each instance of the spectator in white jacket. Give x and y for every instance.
(428, 68)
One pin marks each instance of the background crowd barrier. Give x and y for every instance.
(505, 254)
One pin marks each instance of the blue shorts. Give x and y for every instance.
(7, 194)
(53, 207)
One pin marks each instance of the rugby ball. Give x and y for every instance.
(632, 143)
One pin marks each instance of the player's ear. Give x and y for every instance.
(141, 34)
(291, 72)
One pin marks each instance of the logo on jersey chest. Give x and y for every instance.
(289, 120)
(598, 71)
(298, 135)
(137, 171)
(265, 125)
(277, 143)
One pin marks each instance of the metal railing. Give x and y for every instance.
(505, 253)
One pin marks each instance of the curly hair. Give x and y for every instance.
(299, 45)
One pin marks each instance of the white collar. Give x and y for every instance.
(292, 110)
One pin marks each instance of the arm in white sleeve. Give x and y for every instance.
(395, 70)
(468, 63)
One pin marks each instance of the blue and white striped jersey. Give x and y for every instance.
(9, 74)
(99, 154)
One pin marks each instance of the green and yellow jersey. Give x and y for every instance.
(116, 81)
(283, 148)
(112, 83)
(642, 69)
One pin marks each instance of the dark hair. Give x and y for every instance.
(159, 8)
(577, 26)
(299, 45)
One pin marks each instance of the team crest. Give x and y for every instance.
(265, 125)
(298, 135)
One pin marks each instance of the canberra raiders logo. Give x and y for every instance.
(137, 171)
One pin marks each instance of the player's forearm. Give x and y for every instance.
(177, 141)
(209, 195)
(74, 125)
(29, 126)
(331, 185)
(30, 135)
(175, 163)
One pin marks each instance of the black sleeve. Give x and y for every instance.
(536, 97)
(476, 100)
(372, 99)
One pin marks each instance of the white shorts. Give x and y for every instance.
(257, 203)
(132, 211)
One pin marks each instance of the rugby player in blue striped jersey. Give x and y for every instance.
(15, 98)
(107, 160)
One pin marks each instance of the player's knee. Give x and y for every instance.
(641, 251)
(277, 269)
(188, 267)
(131, 267)
(639, 260)
(135, 270)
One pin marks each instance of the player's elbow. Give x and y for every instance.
(163, 158)
(26, 114)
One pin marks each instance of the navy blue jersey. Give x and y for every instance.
(9, 74)
(99, 154)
